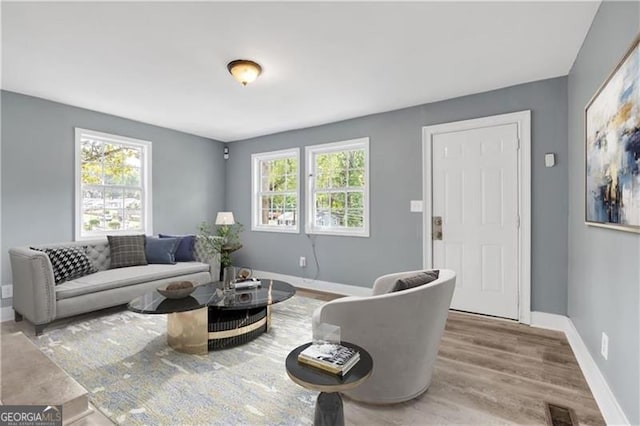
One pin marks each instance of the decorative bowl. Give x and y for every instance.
(177, 289)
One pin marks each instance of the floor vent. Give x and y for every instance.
(558, 415)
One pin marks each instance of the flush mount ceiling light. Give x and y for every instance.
(244, 71)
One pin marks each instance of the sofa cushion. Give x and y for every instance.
(416, 280)
(68, 262)
(121, 277)
(161, 250)
(127, 250)
(185, 250)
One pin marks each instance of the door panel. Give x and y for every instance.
(475, 191)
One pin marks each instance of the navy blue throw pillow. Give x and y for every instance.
(161, 250)
(184, 252)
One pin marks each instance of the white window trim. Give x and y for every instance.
(146, 182)
(310, 152)
(255, 190)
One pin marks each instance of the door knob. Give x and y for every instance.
(436, 227)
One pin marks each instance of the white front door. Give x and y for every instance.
(475, 193)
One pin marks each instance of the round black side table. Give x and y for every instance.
(329, 411)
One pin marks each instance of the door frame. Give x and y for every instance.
(523, 120)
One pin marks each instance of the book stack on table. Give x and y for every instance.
(330, 357)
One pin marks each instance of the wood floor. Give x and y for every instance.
(489, 371)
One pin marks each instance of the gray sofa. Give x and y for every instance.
(37, 298)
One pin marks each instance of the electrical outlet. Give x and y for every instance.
(303, 262)
(604, 347)
(7, 291)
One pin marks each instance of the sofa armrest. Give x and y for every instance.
(205, 253)
(34, 294)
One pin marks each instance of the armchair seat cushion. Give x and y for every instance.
(121, 277)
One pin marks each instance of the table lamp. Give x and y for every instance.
(225, 218)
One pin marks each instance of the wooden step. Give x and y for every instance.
(30, 378)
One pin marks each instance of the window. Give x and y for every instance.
(338, 182)
(113, 185)
(274, 205)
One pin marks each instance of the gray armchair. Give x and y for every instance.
(401, 331)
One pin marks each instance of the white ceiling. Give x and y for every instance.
(165, 63)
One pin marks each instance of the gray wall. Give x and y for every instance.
(604, 276)
(38, 172)
(396, 167)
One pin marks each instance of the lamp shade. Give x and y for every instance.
(225, 218)
(244, 71)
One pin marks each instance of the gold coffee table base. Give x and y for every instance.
(187, 331)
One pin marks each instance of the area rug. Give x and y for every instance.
(133, 377)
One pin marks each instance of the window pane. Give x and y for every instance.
(113, 198)
(278, 202)
(133, 200)
(113, 164)
(290, 202)
(356, 178)
(113, 205)
(338, 178)
(292, 166)
(272, 217)
(322, 201)
(338, 160)
(133, 220)
(323, 217)
(323, 180)
(338, 201)
(132, 157)
(286, 218)
(92, 209)
(322, 163)
(276, 183)
(132, 176)
(291, 183)
(337, 217)
(91, 162)
(354, 200)
(264, 217)
(356, 159)
(113, 219)
(355, 218)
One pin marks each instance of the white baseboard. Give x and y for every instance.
(6, 314)
(607, 402)
(326, 286)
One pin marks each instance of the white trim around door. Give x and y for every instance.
(523, 120)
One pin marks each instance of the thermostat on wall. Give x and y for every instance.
(549, 159)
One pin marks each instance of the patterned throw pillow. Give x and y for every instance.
(417, 280)
(126, 250)
(68, 263)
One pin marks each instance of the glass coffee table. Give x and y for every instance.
(209, 319)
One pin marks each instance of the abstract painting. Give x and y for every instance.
(612, 121)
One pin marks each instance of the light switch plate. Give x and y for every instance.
(416, 206)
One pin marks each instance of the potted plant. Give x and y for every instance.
(227, 241)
